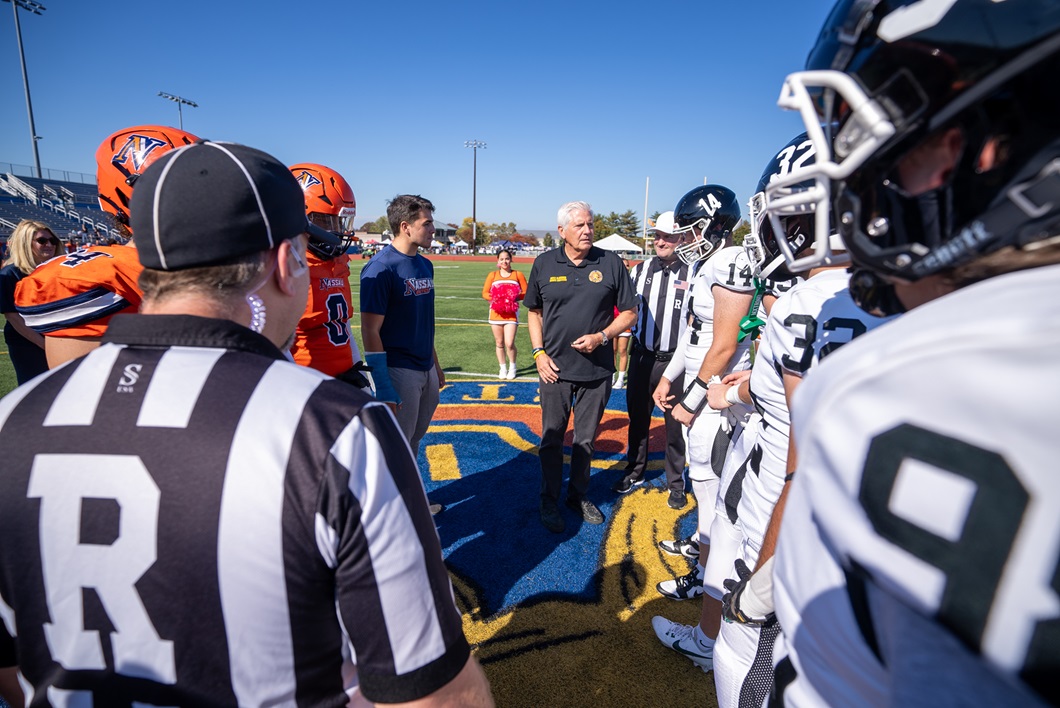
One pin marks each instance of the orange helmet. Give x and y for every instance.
(330, 204)
(122, 157)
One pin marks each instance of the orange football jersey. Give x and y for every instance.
(323, 340)
(76, 294)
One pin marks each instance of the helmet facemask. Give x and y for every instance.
(887, 90)
(330, 205)
(699, 242)
(705, 217)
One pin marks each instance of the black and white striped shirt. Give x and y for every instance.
(188, 519)
(663, 293)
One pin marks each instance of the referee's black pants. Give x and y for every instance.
(645, 370)
(587, 399)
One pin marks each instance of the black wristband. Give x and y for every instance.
(695, 396)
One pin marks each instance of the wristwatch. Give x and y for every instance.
(606, 340)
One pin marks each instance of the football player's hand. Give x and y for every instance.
(716, 397)
(661, 395)
(736, 378)
(355, 376)
(730, 601)
(682, 415)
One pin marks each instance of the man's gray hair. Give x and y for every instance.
(565, 211)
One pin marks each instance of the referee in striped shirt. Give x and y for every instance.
(187, 517)
(662, 286)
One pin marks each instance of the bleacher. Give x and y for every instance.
(63, 205)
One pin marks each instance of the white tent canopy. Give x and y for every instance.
(614, 242)
(460, 244)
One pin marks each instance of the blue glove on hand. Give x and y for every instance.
(384, 387)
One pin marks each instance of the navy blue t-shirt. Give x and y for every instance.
(401, 288)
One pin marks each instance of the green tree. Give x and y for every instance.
(464, 231)
(502, 231)
(626, 223)
(742, 229)
(603, 226)
(377, 227)
(548, 241)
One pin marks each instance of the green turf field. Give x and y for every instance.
(462, 336)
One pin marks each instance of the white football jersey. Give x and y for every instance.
(730, 269)
(808, 322)
(918, 557)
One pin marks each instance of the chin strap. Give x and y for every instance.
(873, 294)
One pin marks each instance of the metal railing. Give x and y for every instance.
(57, 175)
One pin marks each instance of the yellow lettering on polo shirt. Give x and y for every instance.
(558, 279)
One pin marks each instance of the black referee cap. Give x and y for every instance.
(210, 202)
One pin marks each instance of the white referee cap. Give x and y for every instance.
(665, 223)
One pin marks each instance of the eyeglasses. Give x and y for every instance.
(666, 236)
(45, 241)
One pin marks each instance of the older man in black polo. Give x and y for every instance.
(571, 298)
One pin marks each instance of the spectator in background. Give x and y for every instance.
(504, 289)
(71, 300)
(323, 340)
(30, 244)
(662, 289)
(571, 296)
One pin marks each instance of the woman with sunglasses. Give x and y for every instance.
(30, 244)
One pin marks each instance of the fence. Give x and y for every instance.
(56, 175)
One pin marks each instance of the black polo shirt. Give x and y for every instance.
(576, 300)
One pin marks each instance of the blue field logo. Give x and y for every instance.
(480, 458)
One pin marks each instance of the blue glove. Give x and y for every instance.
(384, 387)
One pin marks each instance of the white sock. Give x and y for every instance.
(702, 639)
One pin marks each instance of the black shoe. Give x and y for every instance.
(550, 516)
(626, 485)
(677, 499)
(588, 511)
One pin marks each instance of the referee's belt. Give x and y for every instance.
(658, 356)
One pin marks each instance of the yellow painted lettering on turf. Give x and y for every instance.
(490, 392)
(441, 461)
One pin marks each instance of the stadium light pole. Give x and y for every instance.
(180, 102)
(474, 145)
(36, 8)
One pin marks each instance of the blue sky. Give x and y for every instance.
(575, 100)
